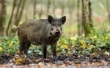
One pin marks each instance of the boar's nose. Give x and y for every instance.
(57, 32)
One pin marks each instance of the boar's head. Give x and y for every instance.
(56, 25)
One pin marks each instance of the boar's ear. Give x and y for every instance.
(50, 18)
(63, 19)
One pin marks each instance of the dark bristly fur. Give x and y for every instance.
(40, 32)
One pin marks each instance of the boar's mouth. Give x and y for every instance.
(55, 34)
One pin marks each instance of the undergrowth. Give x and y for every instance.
(98, 42)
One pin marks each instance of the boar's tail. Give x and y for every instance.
(15, 28)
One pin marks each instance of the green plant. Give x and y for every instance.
(9, 45)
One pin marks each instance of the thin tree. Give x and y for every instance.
(2, 16)
(20, 12)
(40, 12)
(48, 6)
(78, 18)
(17, 11)
(11, 17)
(108, 9)
(62, 6)
(34, 9)
(15, 19)
(90, 13)
(54, 7)
(25, 12)
(85, 17)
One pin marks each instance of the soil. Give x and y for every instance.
(64, 61)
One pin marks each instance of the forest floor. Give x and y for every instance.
(63, 61)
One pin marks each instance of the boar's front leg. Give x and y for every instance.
(53, 47)
(44, 51)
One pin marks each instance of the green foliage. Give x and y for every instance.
(97, 42)
(64, 45)
(35, 49)
(8, 45)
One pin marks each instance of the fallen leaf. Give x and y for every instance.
(20, 61)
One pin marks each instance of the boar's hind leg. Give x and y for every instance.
(21, 47)
(24, 46)
(27, 45)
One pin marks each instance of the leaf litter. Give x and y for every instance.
(63, 61)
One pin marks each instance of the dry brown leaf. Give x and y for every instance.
(99, 63)
(19, 61)
(40, 64)
(49, 65)
(108, 64)
(77, 65)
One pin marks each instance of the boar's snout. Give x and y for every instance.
(57, 32)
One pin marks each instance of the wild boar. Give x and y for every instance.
(40, 32)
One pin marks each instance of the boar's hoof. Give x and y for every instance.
(45, 60)
(54, 59)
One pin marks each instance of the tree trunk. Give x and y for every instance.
(108, 9)
(90, 13)
(78, 18)
(2, 16)
(54, 7)
(20, 12)
(25, 13)
(34, 7)
(85, 17)
(48, 7)
(62, 7)
(40, 13)
(17, 11)
(11, 17)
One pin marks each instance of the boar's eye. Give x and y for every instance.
(60, 24)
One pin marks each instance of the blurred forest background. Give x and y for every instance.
(15, 12)
(86, 32)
